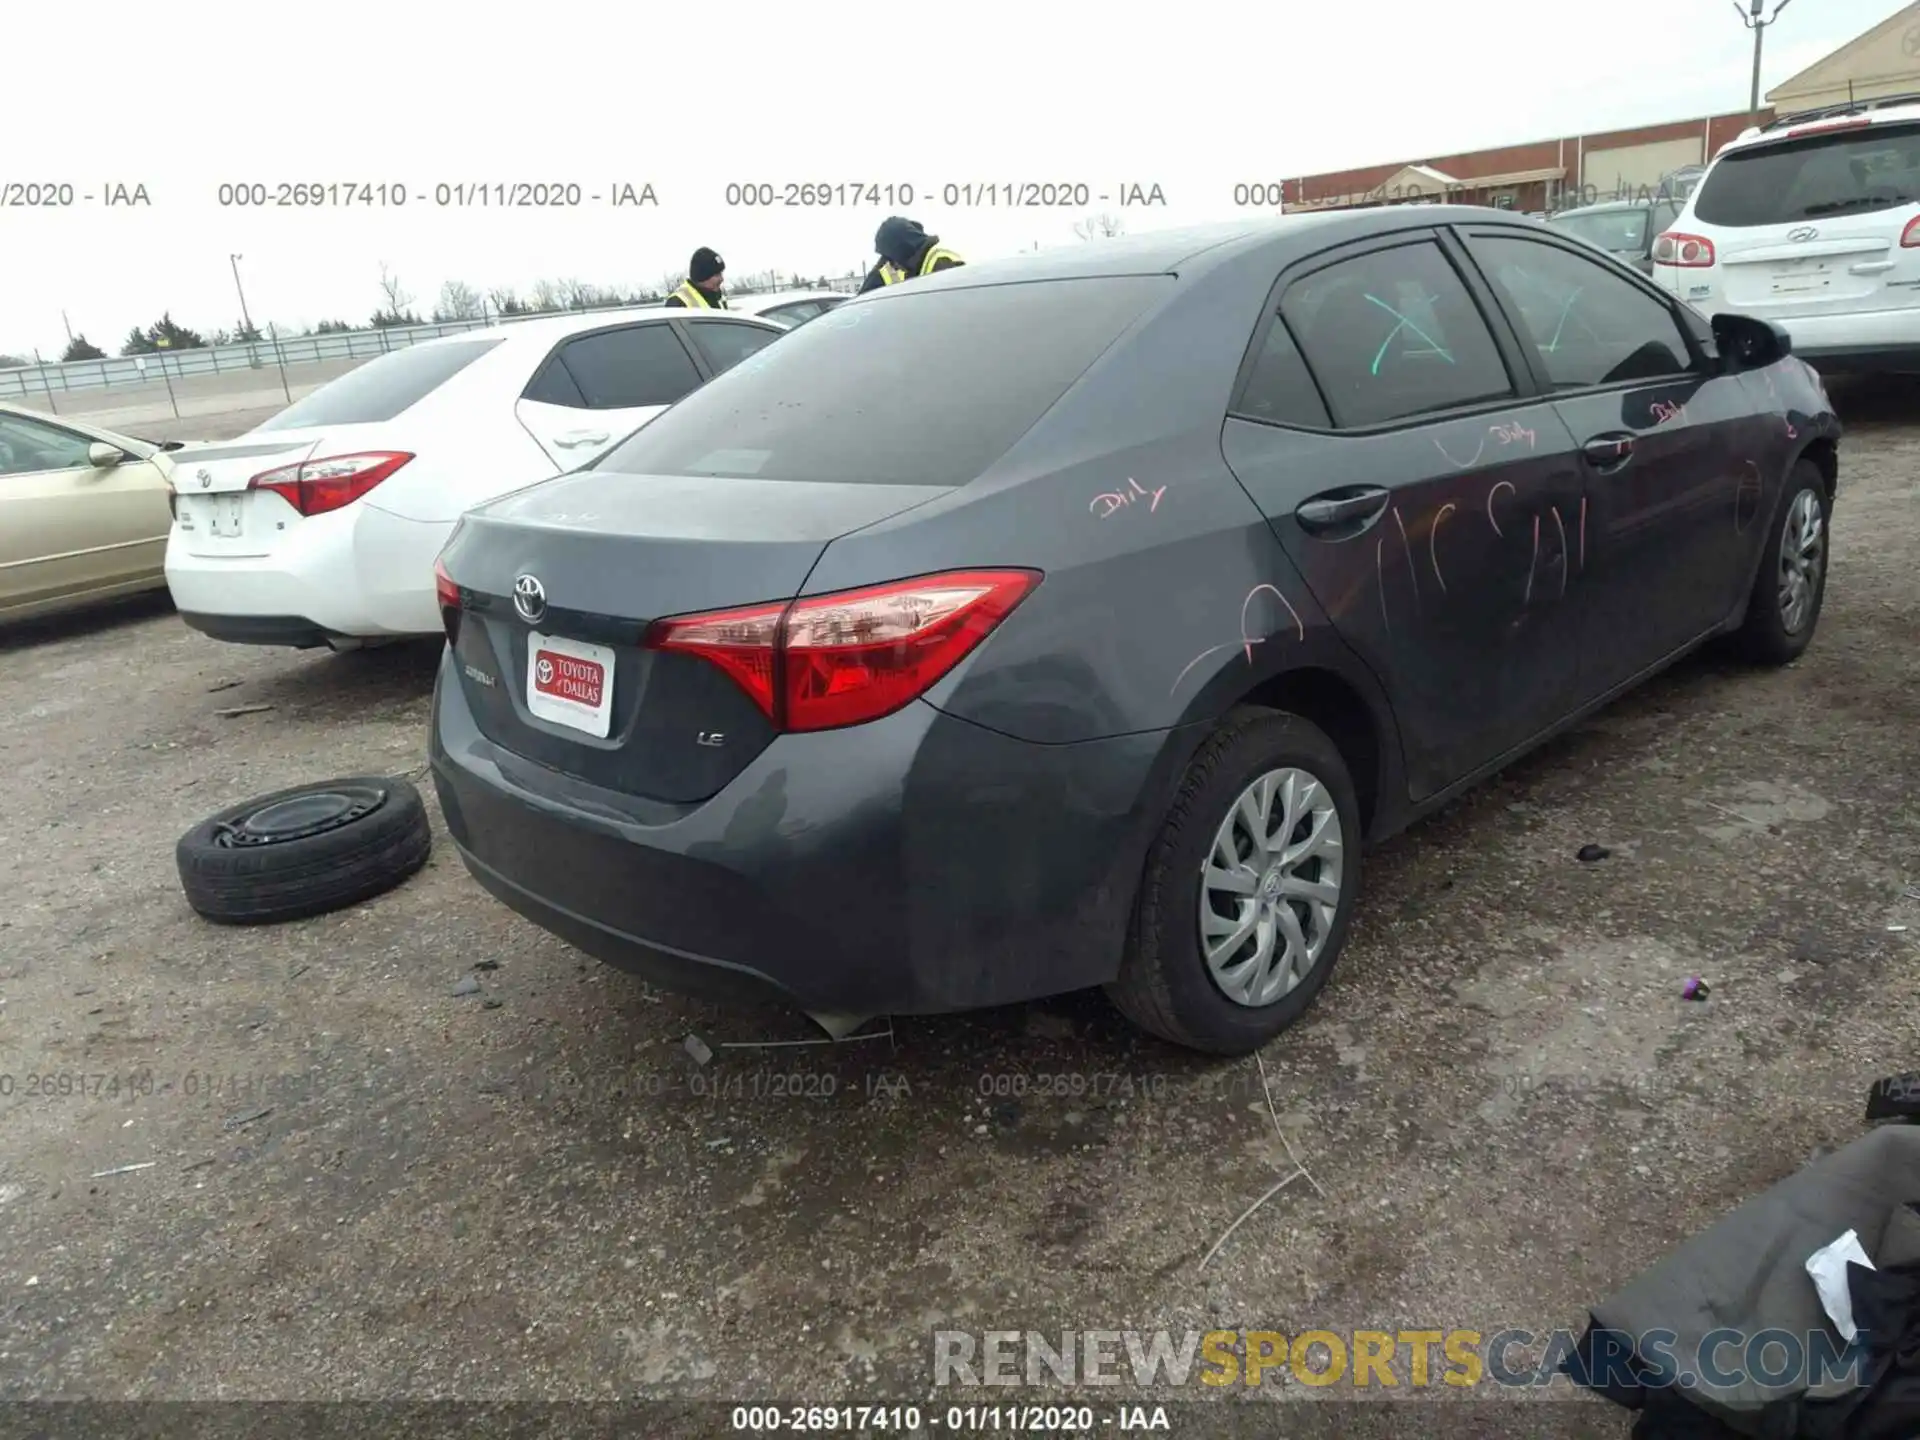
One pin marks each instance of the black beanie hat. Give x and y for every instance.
(899, 239)
(705, 265)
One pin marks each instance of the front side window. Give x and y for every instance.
(1590, 326)
(29, 445)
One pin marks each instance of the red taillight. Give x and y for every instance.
(1684, 251)
(1910, 237)
(448, 594)
(314, 487)
(833, 660)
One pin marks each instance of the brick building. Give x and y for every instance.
(1537, 176)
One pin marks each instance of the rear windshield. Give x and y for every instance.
(1622, 231)
(381, 389)
(1845, 172)
(913, 389)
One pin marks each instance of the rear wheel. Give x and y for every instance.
(1792, 584)
(1248, 890)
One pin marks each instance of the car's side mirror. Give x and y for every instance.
(101, 455)
(1745, 343)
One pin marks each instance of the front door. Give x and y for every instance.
(1425, 497)
(1662, 439)
(68, 526)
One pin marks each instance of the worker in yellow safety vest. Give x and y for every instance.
(701, 290)
(906, 252)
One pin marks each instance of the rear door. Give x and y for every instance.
(67, 525)
(1389, 431)
(1811, 224)
(598, 388)
(1661, 439)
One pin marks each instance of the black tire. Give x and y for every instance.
(358, 837)
(1763, 638)
(1164, 985)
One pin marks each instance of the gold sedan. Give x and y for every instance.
(84, 514)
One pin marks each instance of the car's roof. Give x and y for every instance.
(1884, 110)
(1608, 205)
(1193, 251)
(542, 331)
(753, 304)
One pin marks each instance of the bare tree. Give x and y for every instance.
(458, 301)
(505, 301)
(1104, 226)
(397, 297)
(670, 282)
(548, 296)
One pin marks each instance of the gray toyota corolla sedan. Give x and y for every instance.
(1075, 620)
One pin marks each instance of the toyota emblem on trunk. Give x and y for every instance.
(529, 598)
(1805, 232)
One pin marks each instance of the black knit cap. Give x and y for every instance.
(705, 265)
(899, 239)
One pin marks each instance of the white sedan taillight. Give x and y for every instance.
(317, 486)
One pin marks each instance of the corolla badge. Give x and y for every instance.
(529, 598)
(205, 477)
(1804, 232)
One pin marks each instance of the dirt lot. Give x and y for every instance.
(361, 1185)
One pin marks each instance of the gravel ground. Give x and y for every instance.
(361, 1185)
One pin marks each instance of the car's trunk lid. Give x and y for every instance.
(219, 515)
(601, 556)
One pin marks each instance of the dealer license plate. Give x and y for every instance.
(570, 683)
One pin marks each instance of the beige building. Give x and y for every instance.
(1884, 61)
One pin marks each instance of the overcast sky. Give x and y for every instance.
(689, 97)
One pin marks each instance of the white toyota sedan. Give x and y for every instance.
(320, 527)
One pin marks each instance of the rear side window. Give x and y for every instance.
(1843, 172)
(726, 345)
(926, 388)
(381, 389)
(1394, 334)
(1279, 390)
(630, 369)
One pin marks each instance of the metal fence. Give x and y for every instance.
(272, 352)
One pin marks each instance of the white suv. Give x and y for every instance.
(1812, 221)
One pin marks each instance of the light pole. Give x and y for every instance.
(1751, 18)
(246, 319)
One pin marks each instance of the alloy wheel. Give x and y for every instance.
(1270, 887)
(1803, 554)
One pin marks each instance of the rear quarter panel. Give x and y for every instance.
(1166, 596)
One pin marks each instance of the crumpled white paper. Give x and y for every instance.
(1828, 1267)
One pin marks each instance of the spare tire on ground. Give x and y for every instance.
(305, 850)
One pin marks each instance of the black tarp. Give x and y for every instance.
(1734, 1312)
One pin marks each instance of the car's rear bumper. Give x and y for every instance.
(295, 630)
(914, 865)
(359, 572)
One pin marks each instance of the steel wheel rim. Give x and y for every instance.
(1803, 555)
(302, 816)
(1270, 887)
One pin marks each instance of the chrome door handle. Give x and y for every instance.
(581, 437)
(1338, 508)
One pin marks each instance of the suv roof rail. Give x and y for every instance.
(1845, 107)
